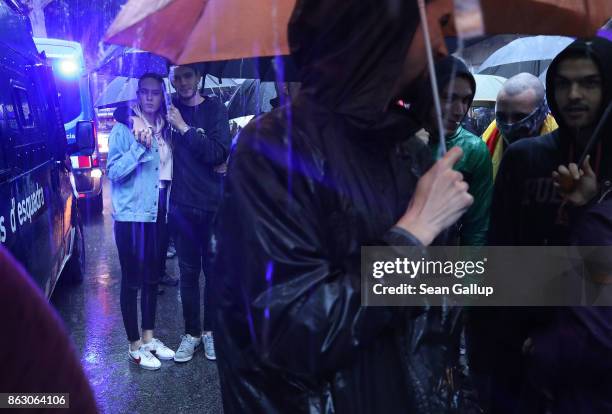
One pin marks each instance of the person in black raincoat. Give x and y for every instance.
(309, 184)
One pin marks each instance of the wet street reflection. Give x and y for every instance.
(92, 315)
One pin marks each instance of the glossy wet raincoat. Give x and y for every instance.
(308, 185)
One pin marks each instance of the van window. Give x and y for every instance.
(30, 146)
(69, 98)
(69, 92)
(24, 109)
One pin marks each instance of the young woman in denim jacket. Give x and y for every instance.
(139, 160)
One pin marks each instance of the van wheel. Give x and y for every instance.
(75, 268)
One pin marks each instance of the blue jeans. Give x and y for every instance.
(193, 230)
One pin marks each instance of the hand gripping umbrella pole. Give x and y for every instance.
(568, 185)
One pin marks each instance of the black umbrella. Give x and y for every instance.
(279, 68)
(251, 98)
(132, 63)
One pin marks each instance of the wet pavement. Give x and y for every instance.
(93, 318)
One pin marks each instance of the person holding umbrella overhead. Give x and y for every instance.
(308, 185)
(136, 160)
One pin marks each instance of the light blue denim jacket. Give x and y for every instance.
(134, 174)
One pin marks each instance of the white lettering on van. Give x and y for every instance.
(2, 230)
(23, 211)
(29, 206)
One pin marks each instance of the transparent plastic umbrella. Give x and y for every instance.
(530, 54)
(487, 87)
(123, 89)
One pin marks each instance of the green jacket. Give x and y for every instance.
(477, 170)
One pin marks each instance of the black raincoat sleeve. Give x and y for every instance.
(302, 306)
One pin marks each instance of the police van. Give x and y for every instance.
(39, 222)
(72, 84)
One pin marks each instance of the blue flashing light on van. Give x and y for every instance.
(72, 83)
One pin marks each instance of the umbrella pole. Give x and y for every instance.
(596, 135)
(167, 100)
(432, 77)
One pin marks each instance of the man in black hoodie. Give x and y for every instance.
(527, 209)
(307, 186)
(200, 144)
(530, 210)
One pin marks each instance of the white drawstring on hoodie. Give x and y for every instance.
(165, 152)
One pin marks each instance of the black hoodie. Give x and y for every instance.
(526, 207)
(308, 184)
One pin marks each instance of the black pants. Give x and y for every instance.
(163, 229)
(139, 248)
(193, 230)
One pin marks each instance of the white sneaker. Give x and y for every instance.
(187, 348)
(157, 348)
(144, 358)
(209, 346)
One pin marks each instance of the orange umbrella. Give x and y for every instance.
(186, 31)
(577, 18)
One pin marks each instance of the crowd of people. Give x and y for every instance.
(277, 220)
